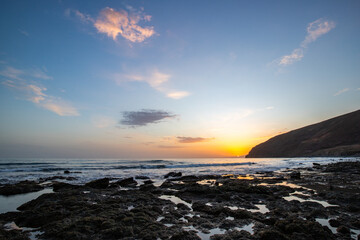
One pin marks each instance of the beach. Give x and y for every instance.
(315, 201)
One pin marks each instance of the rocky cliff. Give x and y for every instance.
(339, 136)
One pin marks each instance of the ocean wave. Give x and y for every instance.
(23, 163)
(92, 167)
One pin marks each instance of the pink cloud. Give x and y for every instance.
(114, 23)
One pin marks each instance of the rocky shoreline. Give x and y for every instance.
(321, 202)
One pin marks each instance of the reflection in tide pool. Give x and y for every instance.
(11, 203)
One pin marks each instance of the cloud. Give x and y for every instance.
(177, 94)
(13, 73)
(59, 107)
(114, 23)
(314, 31)
(34, 92)
(296, 55)
(85, 18)
(144, 117)
(156, 80)
(193, 139)
(341, 91)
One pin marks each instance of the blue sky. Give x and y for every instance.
(145, 79)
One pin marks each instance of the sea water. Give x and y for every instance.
(84, 170)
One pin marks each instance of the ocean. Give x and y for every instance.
(84, 170)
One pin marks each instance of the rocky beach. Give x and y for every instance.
(318, 202)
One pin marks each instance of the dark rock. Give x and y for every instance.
(234, 234)
(173, 174)
(58, 186)
(316, 164)
(13, 235)
(99, 183)
(127, 182)
(20, 187)
(66, 172)
(147, 187)
(298, 227)
(345, 167)
(142, 177)
(148, 182)
(295, 175)
(356, 223)
(344, 230)
(271, 234)
(188, 178)
(182, 206)
(334, 223)
(184, 235)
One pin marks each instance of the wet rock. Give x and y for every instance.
(58, 186)
(173, 174)
(230, 235)
(182, 206)
(348, 167)
(334, 223)
(356, 223)
(240, 214)
(184, 235)
(167, 184)
(148, 182)
(147, 187)
(20, 187)
(342, 229)
(295, 175)
(271, 234)
(127, 182)
(66, 172)
(13, 234)
(297, 228)
(99, 183)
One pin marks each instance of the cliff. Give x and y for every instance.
(339, 136)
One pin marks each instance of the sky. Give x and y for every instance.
(170, 79)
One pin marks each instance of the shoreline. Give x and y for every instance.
(318, 202)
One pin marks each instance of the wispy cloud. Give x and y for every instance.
(58, 106)
(193, 139)
(19, 74)
(32, 91)
(341, 91)
(314, 31)
(296, 55)
(144, 117)
(156, 80)
(317, 29)
(114, 23)
(83, 17)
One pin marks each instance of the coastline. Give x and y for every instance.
(318, 202)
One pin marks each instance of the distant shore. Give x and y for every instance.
(318, 202)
